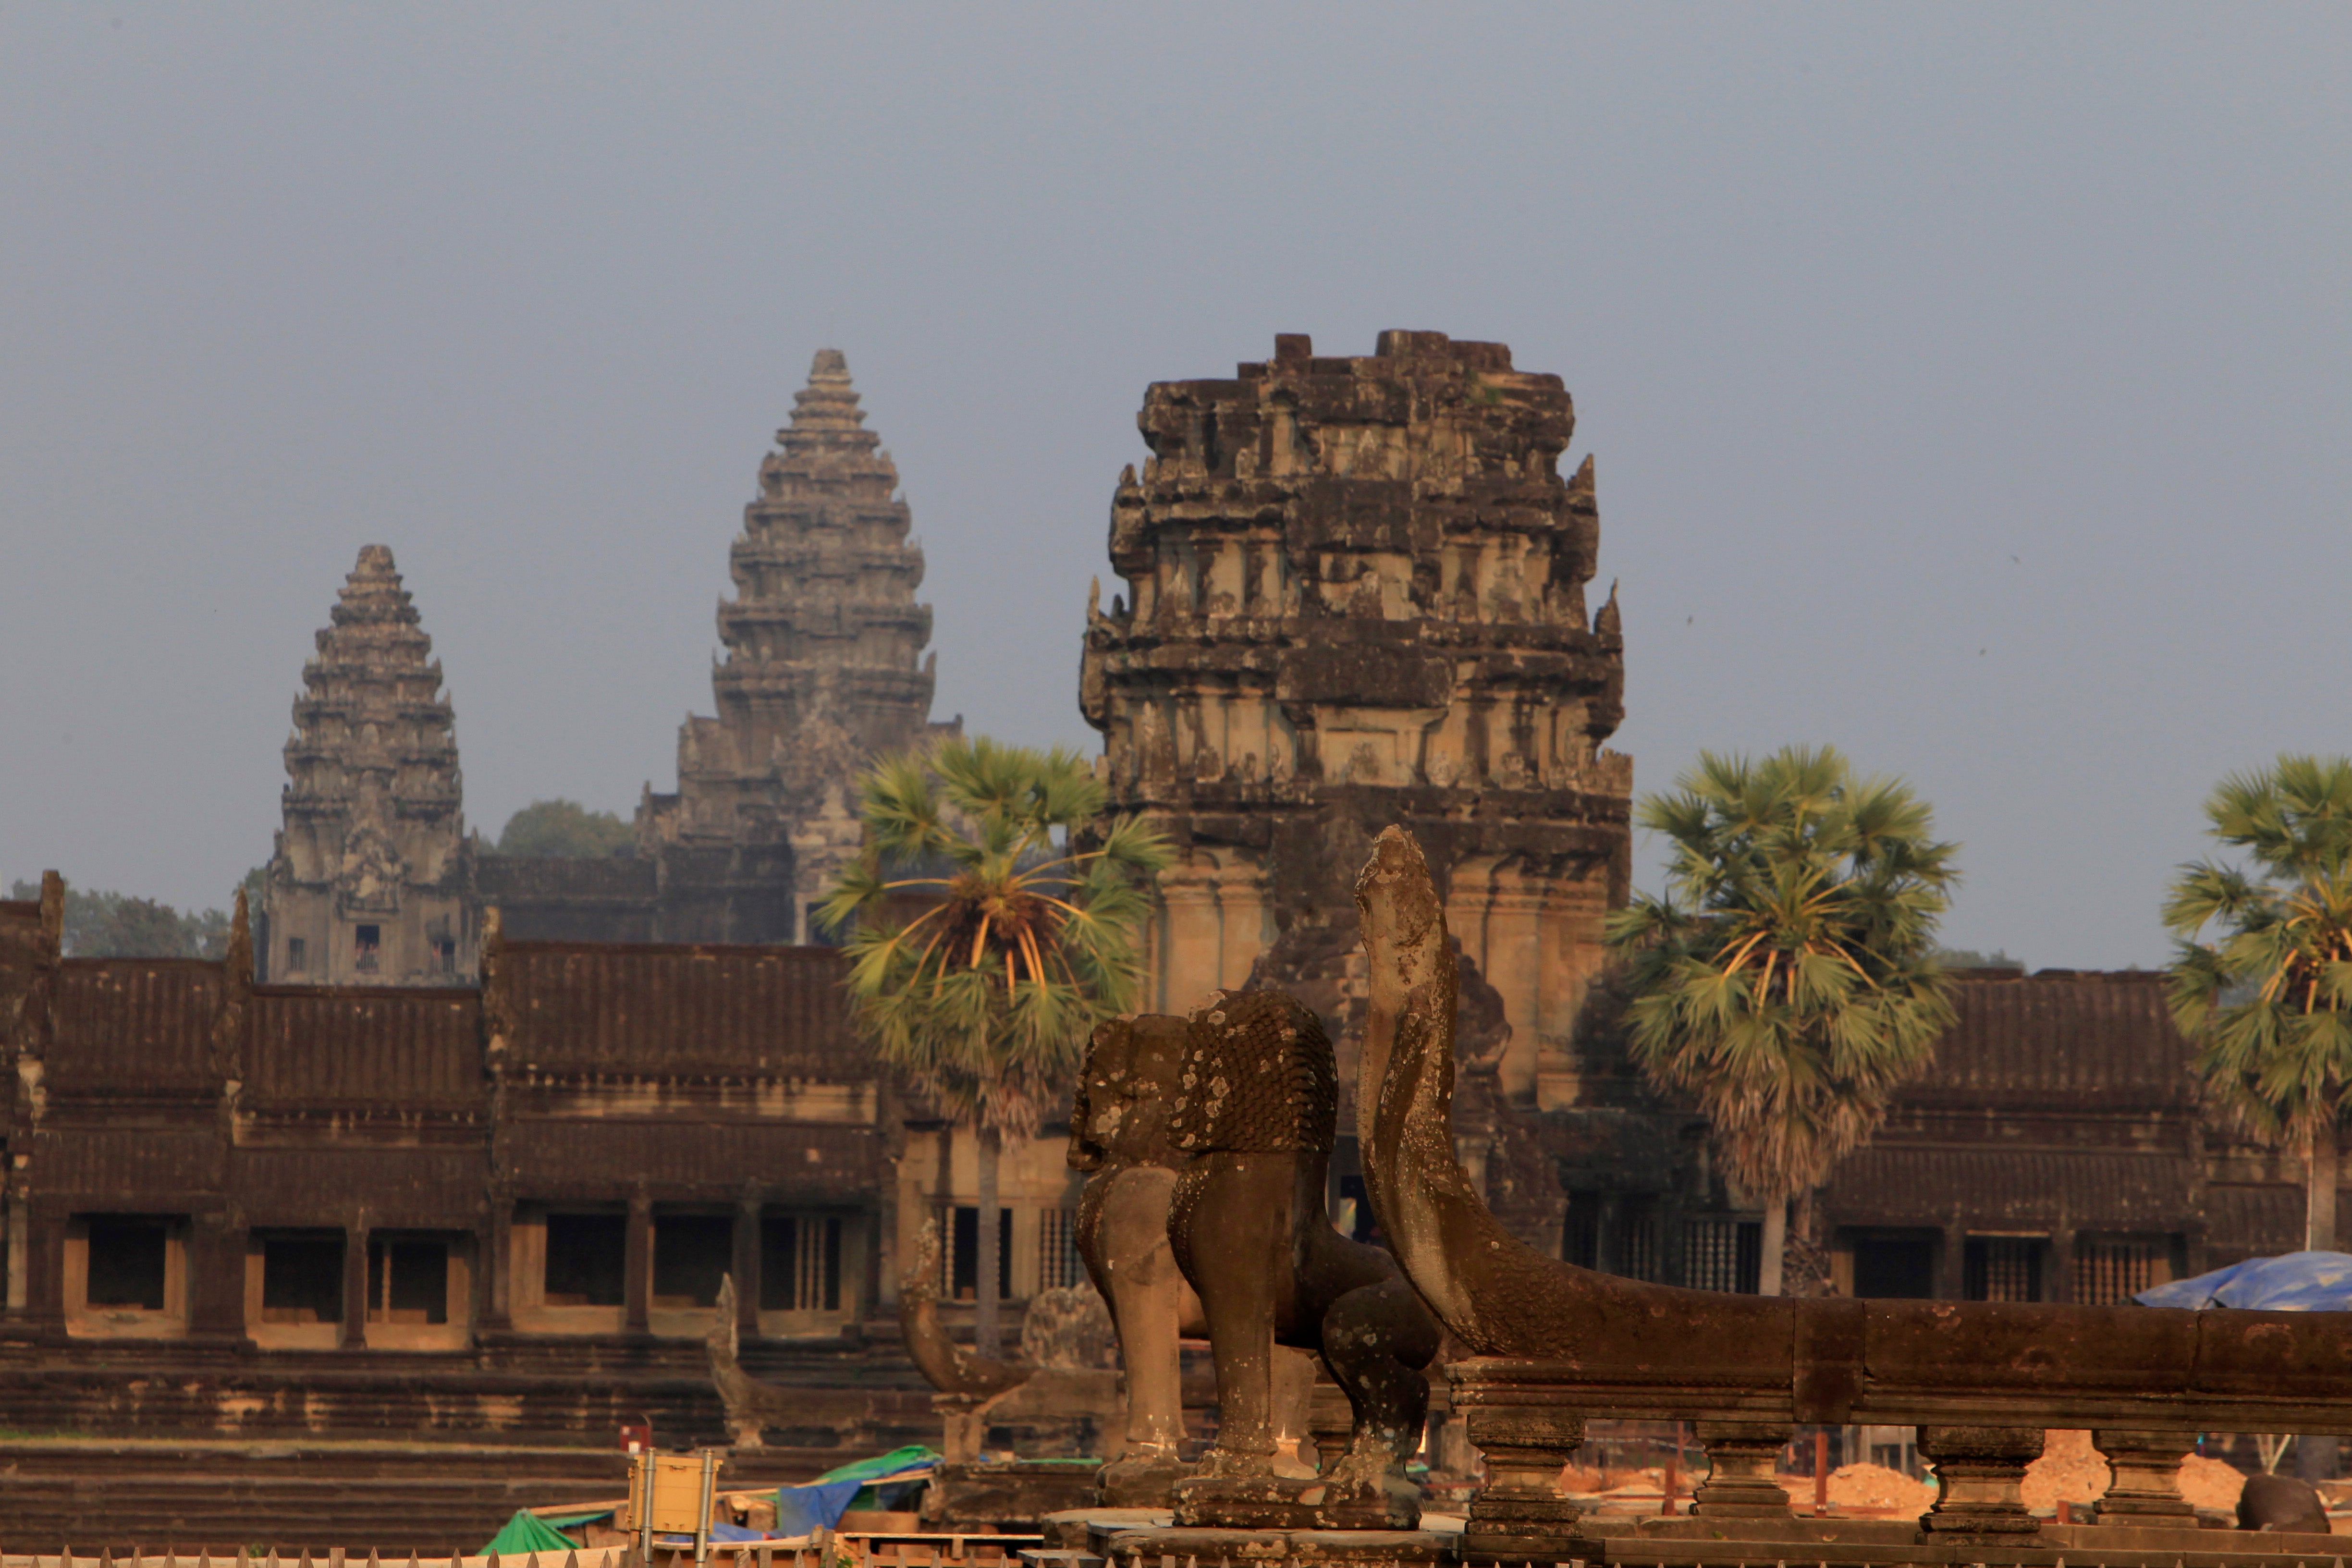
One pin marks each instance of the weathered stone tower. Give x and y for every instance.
(369, 883)
(825, 669)
(1356, 595)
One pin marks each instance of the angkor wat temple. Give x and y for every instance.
(400, 1166)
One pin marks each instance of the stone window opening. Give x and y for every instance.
(298, 955)
(960, 1267)
(1638, 1241)
(586, 1259)
(692, 1252)
(127, 1263)
(2003, 1268)
(1580, 1231)
(408, 1281)
(799, 1263)
(444, 955)
(1894, 1265)
(367, 948)
(126, 1275)
(2111, 1269)
(1724, 1255)
(1059, 1266)
(302, 1278)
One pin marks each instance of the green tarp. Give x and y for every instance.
(897, 1462)
(526, 1531)
(913, 1457)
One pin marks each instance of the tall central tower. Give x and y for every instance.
(825, 669)
(1356, 595)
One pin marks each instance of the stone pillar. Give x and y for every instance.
(962, 1427)
(215, 1276)
(1189, 939)
(637, 1266)
(1514, 967)
(1241, 921)
(1606, 1241)
(44, 1249)
(2060, 1286)
(2146, 1488)
(746, 1263)
(494, 1291)
(1979, 1484)
(1519, 1513)
(20, 1224)
(1952, 1263)
(355, 1284)
(1741, 1457)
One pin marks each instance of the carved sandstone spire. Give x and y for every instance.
(825, 665)
(824, 625)
(372, 841)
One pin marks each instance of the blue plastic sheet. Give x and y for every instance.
(802, 1510)
(2295, 1282)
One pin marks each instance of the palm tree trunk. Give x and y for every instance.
(992, 1266)
(2319, 1211)
(1776, 1246)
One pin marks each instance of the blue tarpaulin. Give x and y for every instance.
(2295, 1282)
(802, 1510)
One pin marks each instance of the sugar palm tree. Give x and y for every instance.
(991, 915)
(2268, 1000)
(1787, 981)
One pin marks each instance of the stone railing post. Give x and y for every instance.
(2146, 1488)
(1519, 1514)
(963, 1429)
(1979, 1483)
(1740, 1457)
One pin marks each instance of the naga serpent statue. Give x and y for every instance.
(1553, 1343)
(1055, 1379)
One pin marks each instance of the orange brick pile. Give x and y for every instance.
(2209, 1483)
(1581, 1480)
(2069, 1470)
(1873, 1487)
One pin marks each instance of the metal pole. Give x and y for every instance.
(702, 1518)
(647, 1458)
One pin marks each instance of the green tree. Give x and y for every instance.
(2268, 998)
(103, 924)
(1787, 981)
(991, 923)
(1972, 958)
(565, 828)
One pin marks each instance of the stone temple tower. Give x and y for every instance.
(368, 885)
(1356, 595)
(825, 669)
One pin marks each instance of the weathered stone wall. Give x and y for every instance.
(1356, 595)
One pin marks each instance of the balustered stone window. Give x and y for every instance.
(2004, 1269)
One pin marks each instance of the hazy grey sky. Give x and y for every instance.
(1968, 385)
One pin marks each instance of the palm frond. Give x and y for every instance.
(1786, 982)
(1021, 936)
(2262, 973)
